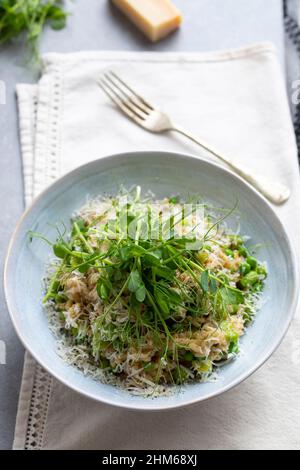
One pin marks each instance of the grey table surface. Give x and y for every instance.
(95, 24)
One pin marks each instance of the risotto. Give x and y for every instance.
(148, 294)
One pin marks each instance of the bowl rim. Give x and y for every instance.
(133, 154)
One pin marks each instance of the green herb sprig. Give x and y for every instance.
(28, 18)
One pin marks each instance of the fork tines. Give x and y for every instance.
(130, 102)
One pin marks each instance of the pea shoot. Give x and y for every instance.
(27, 18)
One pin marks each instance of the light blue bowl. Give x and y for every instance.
(165, 174)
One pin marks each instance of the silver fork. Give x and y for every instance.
(152, 119)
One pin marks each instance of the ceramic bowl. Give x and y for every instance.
(165, 174)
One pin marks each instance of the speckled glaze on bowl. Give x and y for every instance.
(164, 174)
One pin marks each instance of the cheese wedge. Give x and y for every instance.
(155, 18)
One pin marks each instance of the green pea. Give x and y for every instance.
(234, 308)
(179, 375)
(250, 279)
(189, 356)
(74, 331)
(252, 262)
(61, 316)
(228, 251)
(245, 268)
(261, 269)
(243, 251)
(233, 347)
(104, 363)
(236, 241)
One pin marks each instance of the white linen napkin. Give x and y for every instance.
(237, 101)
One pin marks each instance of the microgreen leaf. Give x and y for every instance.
(103, 293)
(152, 258)
(103, 288)
(213, 285)
(164, 272)
(131, 251)
(231, 297)
(204, 281)
(140, 293)
(60, 249)
(80, 224)
(135, 281)
(162, 303)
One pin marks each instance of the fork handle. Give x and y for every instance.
(275, 192)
